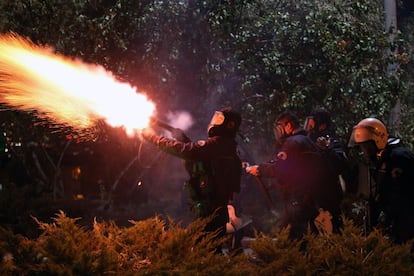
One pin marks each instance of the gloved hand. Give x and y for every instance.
(253, 170)
(179, 135)
(245, 164)
(322, 142)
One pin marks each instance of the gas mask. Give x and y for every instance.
(217, 119)
(216, 124)
(224, 123)
(309, 124)
(312, 128)
(279, 132)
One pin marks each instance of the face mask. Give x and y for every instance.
(215, 124)
(279, 131)
(370, 151)
(309, 124)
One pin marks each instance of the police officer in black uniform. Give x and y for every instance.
(297, 171)
(391, 177)
(320, 129)
(213, 165)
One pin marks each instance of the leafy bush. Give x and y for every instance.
(156, 247)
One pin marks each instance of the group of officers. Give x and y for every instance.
(309, 169)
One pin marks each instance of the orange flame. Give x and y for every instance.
(68, 92)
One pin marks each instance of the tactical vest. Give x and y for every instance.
(212, 183)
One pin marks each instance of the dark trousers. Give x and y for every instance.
(299, 217)
(218, 223)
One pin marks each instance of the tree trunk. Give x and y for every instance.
(390, 9)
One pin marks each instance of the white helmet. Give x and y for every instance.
(370, 129)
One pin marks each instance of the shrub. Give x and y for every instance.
(157, 247)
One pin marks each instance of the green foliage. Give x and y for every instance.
(17, 252)
(260, 56)
(352, 253)
(156, 247)
(71, 249)
(277, 252)
(306, 54)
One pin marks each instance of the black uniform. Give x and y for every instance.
(394, 178)
(293, 177)
(335, 161)
(323, 134)
(215, 172)
(302, 175)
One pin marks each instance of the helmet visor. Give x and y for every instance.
(309, 124)
(217, 119)
(361, 134)
(351, 142)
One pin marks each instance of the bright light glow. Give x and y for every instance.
(67, 91)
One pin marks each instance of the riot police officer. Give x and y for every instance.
(299, 171)
(391, 176)
(213, 165)
(321, 130)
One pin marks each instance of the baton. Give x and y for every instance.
(264, 190)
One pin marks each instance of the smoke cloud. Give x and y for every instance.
(180, 119)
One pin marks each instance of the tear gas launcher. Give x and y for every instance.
(155, 122)
(176, 133)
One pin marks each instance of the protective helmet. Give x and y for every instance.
(317, 118)
(225, 122)
(370, 129)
